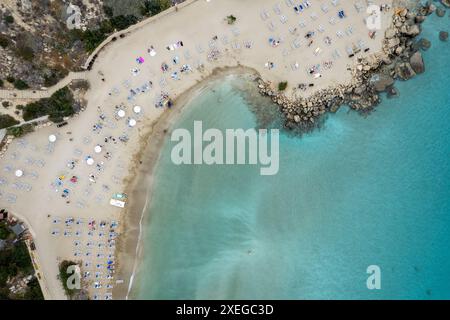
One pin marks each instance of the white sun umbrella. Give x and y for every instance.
(19, 173)
(98, 149)
(52, 138)
(152, 53)
(137, 109)
(90, 161)
(121, 113)
(132, 122)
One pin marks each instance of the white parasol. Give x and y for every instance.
(137, 109)
(121, 113)
(98, 149)
(132, 122)
(52, 138)
(19, 173)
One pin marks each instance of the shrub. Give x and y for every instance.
(153, 7)
(4, 41)
(7, 121)
(9, 19)
(282, 86)
(231, 19)
(59, 105)
(20, 84)
(1, 83)
(20, 131)
(25, 52)
(10, 79)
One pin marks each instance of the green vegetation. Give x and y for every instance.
(231, 19)
(64, 276)
(20, 84)
(153, 7)
(21, 130)
(59, 105)
(7, 121)
(10, 79)
(1, 83)
(15, 261)
(282, 86)
(4, 41)
(9, 19)
(25, 52)
(93, 38)
(5, 233)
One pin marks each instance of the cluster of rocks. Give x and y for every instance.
(371, 75)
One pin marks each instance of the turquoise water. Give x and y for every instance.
(358, 192)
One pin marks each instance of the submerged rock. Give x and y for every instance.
(440, 12)
(381, 82)
(405, 71)
(416, 62)
(443, 35)
(424, 44)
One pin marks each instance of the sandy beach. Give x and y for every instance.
(68, 184)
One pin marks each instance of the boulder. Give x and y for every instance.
(404, 71)
(443, 35)
(416, 62)
(413, 31)
(424, 44)
(446, 3)
(390, 33)
(381, 81)
(440, 12)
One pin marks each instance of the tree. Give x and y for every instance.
(7, 121)
(20, 84)
(9, 19)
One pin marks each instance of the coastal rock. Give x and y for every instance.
(440, 12)
(424, 44)
(446, 3)
(381, 81)
(390, 33)
(419, 19)
(392, 92)
(443, 36)
(405, 71)
(416, 62)
(413, 31)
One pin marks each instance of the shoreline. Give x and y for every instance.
(129, 248)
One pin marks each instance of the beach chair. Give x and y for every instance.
(236, 32)
(349, 51)
(283, 19)
(359, 7)
(292, 30)
(271, 26)
(289, 3)
(332, 21)
(295, 66)
(277, 9)
(313, 16)
(302, 23)
(248, 44)
(224, 40)
(320, 28)
(349, 31)
(317, 51)
(212, 44)
(236, 45)
(362, 45)
(339, 33)
(187, 55)
(162, 82)
(199, 48)
(324, 8)
(264, 15)
(296, 43)
(335, 2)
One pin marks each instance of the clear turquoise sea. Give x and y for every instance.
(360, 191)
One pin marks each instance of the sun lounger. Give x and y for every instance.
(350, 51)
(317, 51)
(324, 8)
(224, 40)
(283, 19)
(302, 23)
(236, 32)
(264, 15)
(212, 44)
(187, 55)
(359, 7)
(332, 21)
(292, 30)
(271, 26)
(248, 44)
(339, 33)
(289, 3)
(349, 31)
(295, 66)
(314, 16)
(335, 2)
(296, 43)
(199, 48)
(276, 9)
(320, 28)
(236, 45)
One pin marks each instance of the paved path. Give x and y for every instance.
(38, 94)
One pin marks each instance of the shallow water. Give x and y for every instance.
(357, 192)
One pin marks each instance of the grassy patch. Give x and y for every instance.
(64, 277)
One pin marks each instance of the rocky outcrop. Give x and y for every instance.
(371, 75)
(446, 3)
(417, 63)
